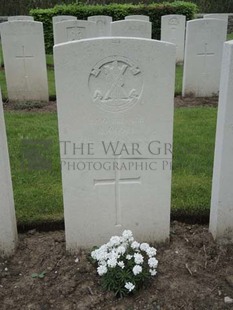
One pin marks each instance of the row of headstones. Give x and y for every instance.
(24, 54)
(122, 90)
(203, 48)
(69, 28)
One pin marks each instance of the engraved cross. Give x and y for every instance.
(205, 54)
(117, 181)
(24, 57)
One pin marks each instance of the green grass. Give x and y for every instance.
(179, 77)
(38, 194)
(230, 36)
(194, 137)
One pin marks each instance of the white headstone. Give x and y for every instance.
(24, 60)
(217, 16)
(221, 215)
(103, 23)
(173, 30)
(138, 17)
(8, 229)
(120, 94)
(203, 56)
(72, 30)
(131, 28)
(20, 17)
(61, 18)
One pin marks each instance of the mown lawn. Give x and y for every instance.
(38, 194)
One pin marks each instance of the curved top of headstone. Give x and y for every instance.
(71, 30)
(131, 28)
(60, 18)
(205, 21)
(19, 25)
(217, 16)
(20, 17)
(96, 18)
(173, 19)
(138, 17)
(103, 22)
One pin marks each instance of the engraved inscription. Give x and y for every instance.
(117, 182)
(76, 33)
(115, 84)
(173, 21)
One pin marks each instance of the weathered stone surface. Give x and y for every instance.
(203, 56)
(173, 30)
(103, 25)
(8, 229)
(221, 214)
(20, 17)
(138, 17)
(131, 28)
(24, 60)
(72, 30)
(115, 106)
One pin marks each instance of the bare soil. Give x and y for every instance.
(194, 273)
(52, 106)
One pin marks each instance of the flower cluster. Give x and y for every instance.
(125, 264)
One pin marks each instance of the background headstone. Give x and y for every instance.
(117, 89)
(203, 56)
(61, 18)
(173, 30)
(8, 229)
(72, 30)
(217, 16)
(20, 17)
(221, 214)
(138, 17)
(103, 28)
(131, 28)
(24, 60)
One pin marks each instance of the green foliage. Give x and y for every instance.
(230, 36)
(214, 6)
(117, 11)
(38, 275)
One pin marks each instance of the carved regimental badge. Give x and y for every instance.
(115, 84)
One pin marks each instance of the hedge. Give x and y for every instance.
(117, 11)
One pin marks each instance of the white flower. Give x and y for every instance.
(101, 255)
(151, 251)
(138, 258)
(94, 254)
(144, 246)
(137, 269)
(121, 264)
(121, 249)
(129, 286)
(152, 262)
(127, 235)
(129, 256)
(153, 272)
(112, 262)
(102, 263)
(102, 270)
(135, 245)
(114, 241)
